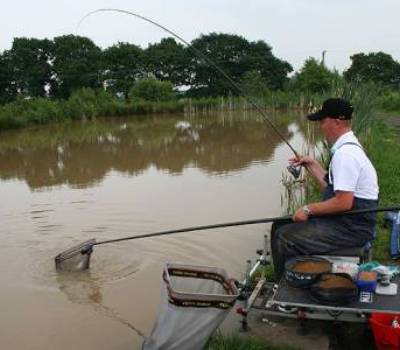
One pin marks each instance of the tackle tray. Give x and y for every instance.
(286, 295)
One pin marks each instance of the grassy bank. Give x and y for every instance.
(384, 150)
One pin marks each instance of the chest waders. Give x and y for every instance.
(360, 227)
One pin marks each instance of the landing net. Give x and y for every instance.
(76, 258)
(194, 302)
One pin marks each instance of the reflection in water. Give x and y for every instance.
(82, 156)
(82, 288)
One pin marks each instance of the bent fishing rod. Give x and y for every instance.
(197, 52)
(85, 249)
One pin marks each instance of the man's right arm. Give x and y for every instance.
(316, 170)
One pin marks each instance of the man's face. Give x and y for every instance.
(328, 127)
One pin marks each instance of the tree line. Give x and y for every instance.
(58, 67)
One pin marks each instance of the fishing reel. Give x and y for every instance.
(294, 170)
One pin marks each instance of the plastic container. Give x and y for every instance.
(367, 281)
(386, 330)
(346, 267)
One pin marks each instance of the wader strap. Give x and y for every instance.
(329, 176)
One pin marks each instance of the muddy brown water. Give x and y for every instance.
(109, 178)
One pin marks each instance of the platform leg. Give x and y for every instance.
(302, 323)
(244, 324)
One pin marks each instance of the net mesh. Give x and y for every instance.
(76, 258)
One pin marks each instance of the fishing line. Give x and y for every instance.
(205, 58)
(116, 316)
(88, 292)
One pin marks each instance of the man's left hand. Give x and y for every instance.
(300, 216)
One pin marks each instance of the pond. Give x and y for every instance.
(109, 178)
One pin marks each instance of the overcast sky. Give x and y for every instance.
(296, 29)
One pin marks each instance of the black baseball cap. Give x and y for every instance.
(337, 108)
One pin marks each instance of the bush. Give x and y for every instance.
(29, 111)
(313, 77)
(82, 104)
(152, 90)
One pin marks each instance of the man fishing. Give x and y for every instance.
(349, 183)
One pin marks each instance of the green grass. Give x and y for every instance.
(389, 100)
(238, 342)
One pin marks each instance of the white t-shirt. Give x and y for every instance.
(351, 170)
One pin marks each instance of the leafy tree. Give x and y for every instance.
(313, 77)
(379, 68)
(7, 88)
(29, 59)
(168, 60)
(236, 56)
(272, 70)
(122, 65)
(228, 52)
(152, 90)
(76, 64)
